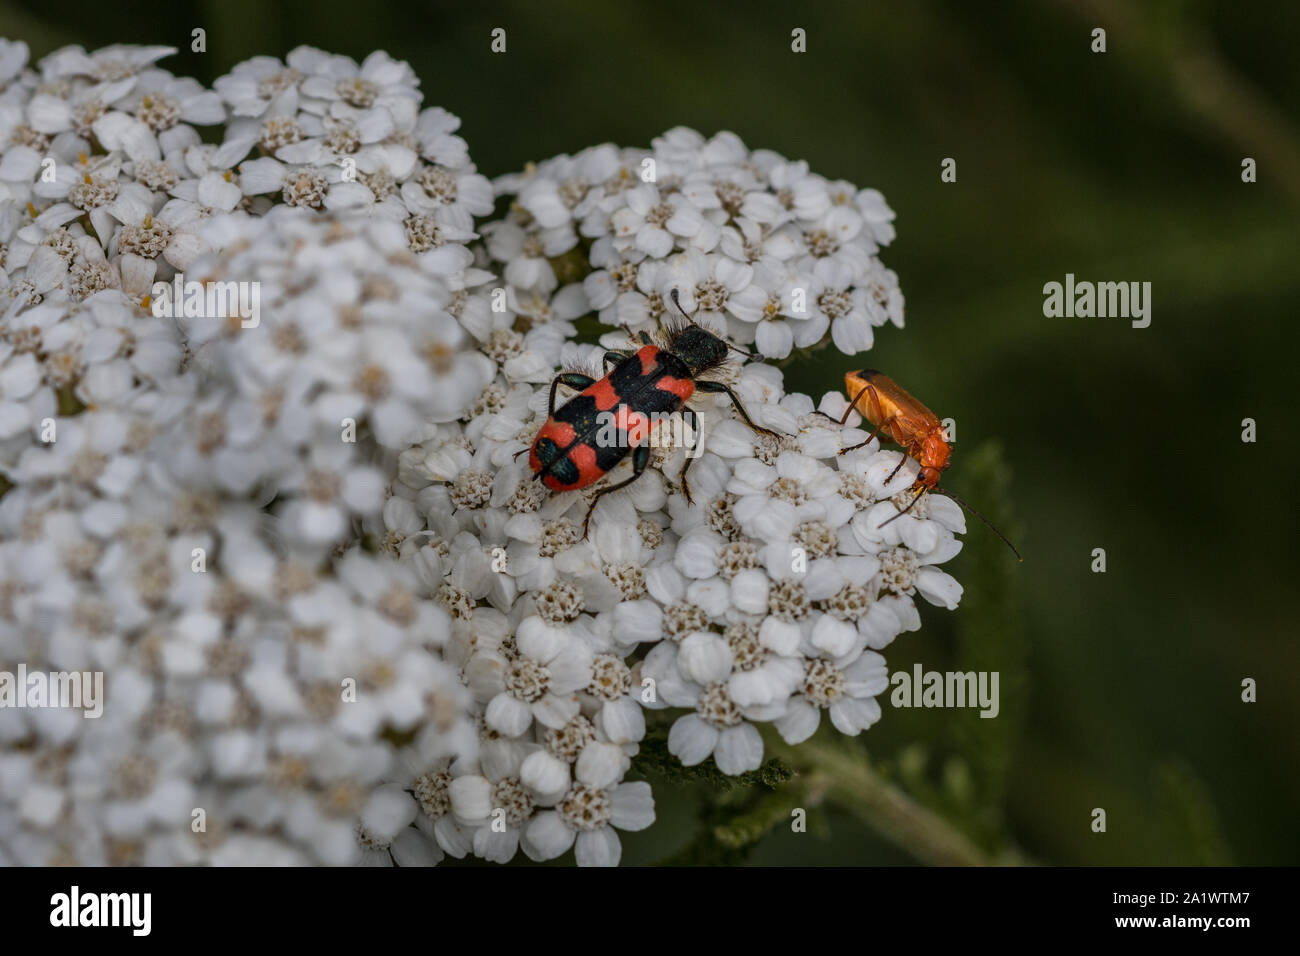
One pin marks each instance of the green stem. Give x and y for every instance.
(841, 774)
(1206, 82)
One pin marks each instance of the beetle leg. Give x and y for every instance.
(901, 462)
(853, 407)
(571, 379)
(879, 428)
(882, 427)
(720, 388)
(613, 358)
(690, 416)
(640, 459)
(910, 505)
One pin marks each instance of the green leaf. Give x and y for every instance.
(991, 636)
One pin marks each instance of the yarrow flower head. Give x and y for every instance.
(764, 599)
(334, 134)
(297, 531)
(194, 500)
(762, 249)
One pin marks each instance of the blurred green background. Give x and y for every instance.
(1119, 690)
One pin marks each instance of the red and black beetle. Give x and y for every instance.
(566, 454)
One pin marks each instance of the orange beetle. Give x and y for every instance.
(906, 422)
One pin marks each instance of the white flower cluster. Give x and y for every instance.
(106, 185)
(774, 255)
(194, 507)
(338, 136)
(339, 620)
(765, 601)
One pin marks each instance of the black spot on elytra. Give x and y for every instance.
(547, 451)
(565, 471)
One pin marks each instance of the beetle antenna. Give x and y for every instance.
(982, 518)
(910, 505)
(678, 302)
